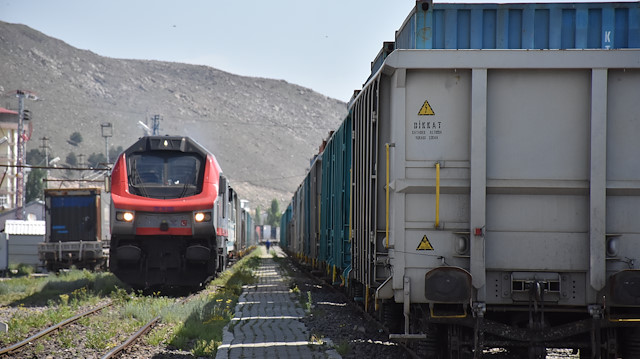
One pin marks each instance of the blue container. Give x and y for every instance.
(518, 26)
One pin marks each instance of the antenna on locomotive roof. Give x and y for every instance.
(145, 128)
(154, 129)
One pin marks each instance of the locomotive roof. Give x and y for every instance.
(167, 143)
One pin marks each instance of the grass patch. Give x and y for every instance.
(62, 294)
(38, 291)
(159, 335)
(309, 303)
(195, 326)
(14, 289)
(199, 323)
(24, 322)
(304, 299)
(343, 348)
(107, 329)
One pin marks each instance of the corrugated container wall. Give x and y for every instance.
(73, 215)
(518, 26)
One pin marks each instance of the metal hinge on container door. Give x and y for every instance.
(374, 116)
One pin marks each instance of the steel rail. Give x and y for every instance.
(115, 351)
(14, 347)
(132, 338)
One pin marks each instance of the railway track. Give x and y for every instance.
(113, 353)
(15, 347)
(127, 343)
(20, 349)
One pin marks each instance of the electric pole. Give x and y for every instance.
(107, 131)
(23, 115)
(20, 210)
(45, 148)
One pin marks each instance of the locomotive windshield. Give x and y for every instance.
(165, 174)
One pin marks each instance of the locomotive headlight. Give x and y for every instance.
(202, 216)
(124, 216)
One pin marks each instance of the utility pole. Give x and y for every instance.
(20, 210)
(107, 131)
(81, 164)
(45, 147)
(23, 115)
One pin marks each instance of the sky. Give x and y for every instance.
(324, 45)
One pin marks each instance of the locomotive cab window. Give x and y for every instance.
(165, 174)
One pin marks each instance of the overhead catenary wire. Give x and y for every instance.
(59, 168)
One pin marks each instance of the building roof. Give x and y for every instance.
(29, 228)
(4, 110)
(33, 208)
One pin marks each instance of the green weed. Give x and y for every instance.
(159, 335)
(343, 348)
(65, 339)
(199, 323)
(309, 303)
(23, 321)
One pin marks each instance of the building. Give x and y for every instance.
(22, 240)
(8, 158)
(33, 209)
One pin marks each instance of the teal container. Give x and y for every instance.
(285, 232)
(335, 246)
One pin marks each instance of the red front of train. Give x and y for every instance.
(166, 199)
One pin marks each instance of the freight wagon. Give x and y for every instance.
(493, 182)
(241, 233)
(73, 230)
(246, 238)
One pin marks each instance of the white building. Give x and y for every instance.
(8, 157)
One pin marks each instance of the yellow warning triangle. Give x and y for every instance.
(426, 109)
(425, 245)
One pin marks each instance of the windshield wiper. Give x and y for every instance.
(184, 190)
(137, 181)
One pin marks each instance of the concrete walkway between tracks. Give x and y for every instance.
(267, 320)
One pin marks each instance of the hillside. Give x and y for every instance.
(262, 131)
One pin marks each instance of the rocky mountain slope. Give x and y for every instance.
(262, 131)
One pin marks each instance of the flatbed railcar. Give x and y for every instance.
(493, 183)
(172, 212)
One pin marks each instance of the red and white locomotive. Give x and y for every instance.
(169, 216)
